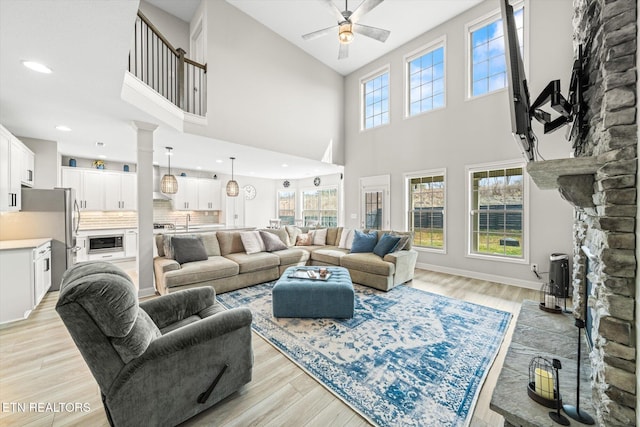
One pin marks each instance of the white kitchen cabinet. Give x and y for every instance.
(186, 199)
(27, 167)
(89, 186)
(208, 194)
(131, 244)
(120, 191)
(11, 164)
(25, 276)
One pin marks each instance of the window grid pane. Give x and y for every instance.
(376, 101)
(497, 212)
(287, 207)
(426, 211)
(488, 65)
(426, 82)
(320, 206)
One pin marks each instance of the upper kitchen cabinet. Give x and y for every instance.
(197, 194)
(186, 199)
(16, 169)
(208, 195)
(120, 191)
(89, 186)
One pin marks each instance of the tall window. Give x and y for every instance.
(375, 101)
(287, 207)
(426, 80)
(497, 211)
(426, 209)
(373, 210)
(488, 63)
(320, 206)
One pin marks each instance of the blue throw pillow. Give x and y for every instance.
(364, 242)
(386, 245)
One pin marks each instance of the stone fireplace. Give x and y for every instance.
(601, 183)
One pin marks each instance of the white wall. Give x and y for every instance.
(466, 132)
(172, 28)
(265, 92)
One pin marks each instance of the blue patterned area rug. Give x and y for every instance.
(407, 358)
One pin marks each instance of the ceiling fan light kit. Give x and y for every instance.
(347, 25)
(345, 35)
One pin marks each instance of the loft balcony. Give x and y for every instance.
(162, 81)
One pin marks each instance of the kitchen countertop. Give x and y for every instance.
(23, 243)
(201, 229)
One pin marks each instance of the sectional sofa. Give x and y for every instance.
(227, 265)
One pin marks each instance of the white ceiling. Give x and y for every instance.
(86, 44)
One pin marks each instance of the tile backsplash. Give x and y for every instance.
(162, 213)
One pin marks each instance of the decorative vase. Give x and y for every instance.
(125, 168)
(72, 163)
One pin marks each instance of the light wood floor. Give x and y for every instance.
(39, 363)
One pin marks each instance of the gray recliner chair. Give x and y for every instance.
(159, 362)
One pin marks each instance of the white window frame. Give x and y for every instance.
(486, 20)
(419, 174)
(363, 80)
(320, 188)
(469, 170)
(295, 203)
(430, 47)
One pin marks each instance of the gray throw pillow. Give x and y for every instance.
(272, 242)
(188, 249)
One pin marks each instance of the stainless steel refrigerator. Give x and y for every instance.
(51, 213)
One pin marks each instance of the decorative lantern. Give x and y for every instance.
(542, 383)
(549, 299)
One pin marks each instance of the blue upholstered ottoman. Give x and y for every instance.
(296, 297)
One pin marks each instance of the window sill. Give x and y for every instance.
(498, 258)
(429, 250)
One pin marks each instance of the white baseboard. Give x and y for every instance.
(527, 284)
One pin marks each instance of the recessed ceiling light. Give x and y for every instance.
(63, 128)
(102, 156)
(198, 167)
(218, 161)
(36, 66)
(284, 165)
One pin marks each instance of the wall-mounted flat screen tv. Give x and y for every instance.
(517, 82)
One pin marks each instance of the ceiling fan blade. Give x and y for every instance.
(373, 32)
(319, 33)
(365, 7)
(344, 51)
(333, 10)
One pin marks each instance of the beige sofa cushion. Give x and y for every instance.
(333, 236)
(230, 242)
(328, 254)
(368, 262)
(209, 239)
(254, 262)
(281, 233)
(292, 256)
(215, 267)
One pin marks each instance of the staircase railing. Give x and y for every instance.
(164, 68)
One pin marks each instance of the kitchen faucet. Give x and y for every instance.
(188, 219)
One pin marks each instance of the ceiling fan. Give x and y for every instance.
(347, 25)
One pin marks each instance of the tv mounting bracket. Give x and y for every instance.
(571, 110)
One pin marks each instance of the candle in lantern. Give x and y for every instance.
(544, 383)
(550, 301)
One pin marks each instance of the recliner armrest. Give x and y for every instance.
(176, 306)
(182, 340)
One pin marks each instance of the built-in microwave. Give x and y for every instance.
(106, 243)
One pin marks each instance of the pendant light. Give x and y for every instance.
(169, 183)
(232, 186)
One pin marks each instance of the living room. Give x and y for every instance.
(466, 135)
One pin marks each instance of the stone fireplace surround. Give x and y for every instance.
(601, 184)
